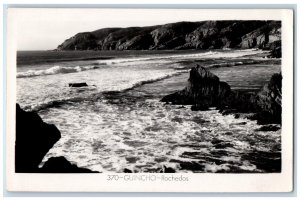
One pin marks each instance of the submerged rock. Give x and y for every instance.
(80, 84)
(269, 128)
(34, 138)
(204, 90)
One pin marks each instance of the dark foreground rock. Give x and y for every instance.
(269, 101)
(34, 138)
(81, 84)
(166, 169)
(205, 90)
(62, 165)
(264, 106)
(275, 48)
(127, 171)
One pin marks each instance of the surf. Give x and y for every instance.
(55, 70)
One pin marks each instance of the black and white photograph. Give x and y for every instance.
(135, 91)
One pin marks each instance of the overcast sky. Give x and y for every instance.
(44, 29)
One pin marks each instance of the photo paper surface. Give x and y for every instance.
(149, 100)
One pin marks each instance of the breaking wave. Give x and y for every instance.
(55, 70)
(209, 54)
(179, 56)
(229, 64)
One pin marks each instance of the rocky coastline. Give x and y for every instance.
(204, 90)
(201, 35)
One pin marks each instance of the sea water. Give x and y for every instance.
(118, 121)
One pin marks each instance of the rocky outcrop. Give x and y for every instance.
(269, 101)
(34, 138)
(203, 90)
(180, 35)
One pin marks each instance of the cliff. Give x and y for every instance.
(180, 35)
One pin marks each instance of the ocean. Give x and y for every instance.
(118, 121)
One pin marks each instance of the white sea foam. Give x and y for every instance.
(155, 58)
(229, 64)
(216, 168)
(137, 137)
(208, 54)
(55, 70)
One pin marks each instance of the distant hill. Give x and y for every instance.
(180, 35)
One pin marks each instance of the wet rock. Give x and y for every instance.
(127, 171)
(265, 161)
(228, 133)
(80, 84)
(238, 101)
(216, 141)
(167, 170)
(34, 138)
(223, 145)
(227, 111)
(62, 165)
(244, 115)
(269, 128)
(275, 48)
(190, 165)
(269, 101)
(132, 159)
(240, 123)
(204, 90)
